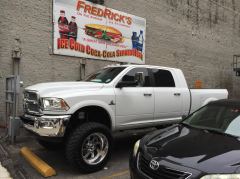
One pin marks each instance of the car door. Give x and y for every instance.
(168, 98)
(134, 105)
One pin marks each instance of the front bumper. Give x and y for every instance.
(46, 126)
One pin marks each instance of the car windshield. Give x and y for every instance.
(105, 75)
(223, 119)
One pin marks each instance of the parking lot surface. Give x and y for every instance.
(116, 168)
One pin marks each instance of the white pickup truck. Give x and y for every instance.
(83, 115)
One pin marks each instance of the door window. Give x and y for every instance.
(163, 78)
(130, 76)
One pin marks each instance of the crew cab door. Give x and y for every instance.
(168, 98)
(134, 105)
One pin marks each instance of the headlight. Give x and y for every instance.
(222, 176)
(136, 147)
(54, 104)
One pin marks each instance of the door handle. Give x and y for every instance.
(147, 94)
(177, 94)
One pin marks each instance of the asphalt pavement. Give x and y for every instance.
(117, 167)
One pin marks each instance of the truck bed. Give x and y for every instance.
(201, 97)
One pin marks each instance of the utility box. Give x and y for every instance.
(14, 126)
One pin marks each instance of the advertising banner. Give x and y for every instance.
(85, 29)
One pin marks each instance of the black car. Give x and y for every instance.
(205, 145)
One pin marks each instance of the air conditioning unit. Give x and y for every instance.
(97, 1)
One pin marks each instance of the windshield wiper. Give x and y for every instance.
(218, 132)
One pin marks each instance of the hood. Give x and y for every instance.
(56, 89)
(194, 148)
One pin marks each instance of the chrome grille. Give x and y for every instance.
(31, 95)
(162, 172)
(31, 102)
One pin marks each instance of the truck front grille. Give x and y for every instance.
(31, 103)
(162, 172)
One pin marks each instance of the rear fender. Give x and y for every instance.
(208, 100)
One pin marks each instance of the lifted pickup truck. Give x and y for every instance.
(83, 115)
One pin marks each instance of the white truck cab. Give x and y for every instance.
(84, 114)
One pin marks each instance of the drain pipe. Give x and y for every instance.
(16, 58)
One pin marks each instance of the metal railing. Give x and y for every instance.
(11, 100)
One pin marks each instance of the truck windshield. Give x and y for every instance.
(223, 119)
(105, 75)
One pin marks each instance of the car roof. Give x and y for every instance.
(146, 66)
(226, 102)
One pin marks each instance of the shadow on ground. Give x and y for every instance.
(117, 167)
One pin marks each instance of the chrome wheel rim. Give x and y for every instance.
(95, 148)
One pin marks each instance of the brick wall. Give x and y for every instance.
(198, 36)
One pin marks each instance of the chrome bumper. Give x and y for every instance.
(46, 126)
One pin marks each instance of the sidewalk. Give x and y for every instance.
(10, 168)
(4, 173)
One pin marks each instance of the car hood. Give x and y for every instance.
(194, 148)
(57, 89)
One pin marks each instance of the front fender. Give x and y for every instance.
(110, 109)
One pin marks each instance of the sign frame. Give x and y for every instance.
(120, 48)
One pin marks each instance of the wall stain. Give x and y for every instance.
(209, 12)
(216, 18)
(239, 26)
(234, 14)
(223, 16)
(197, 12)
(188, 8)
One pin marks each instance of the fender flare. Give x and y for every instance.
(100, 104)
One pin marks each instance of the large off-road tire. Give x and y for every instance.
(50, 145)
(89, 147)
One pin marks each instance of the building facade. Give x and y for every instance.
(199, 37)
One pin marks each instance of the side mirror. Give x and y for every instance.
(139, 78)
(122, 84)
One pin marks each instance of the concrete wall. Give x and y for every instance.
(198, 36)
